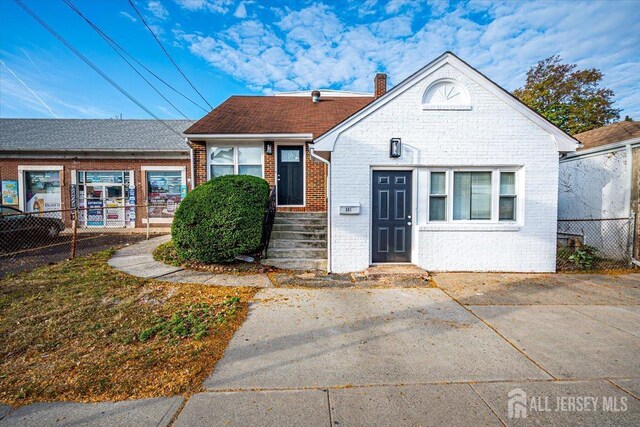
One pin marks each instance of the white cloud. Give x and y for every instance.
(315, 47)
(157, 9)
(128, 16)
(241, 11)
(394, 6)
(216, 6)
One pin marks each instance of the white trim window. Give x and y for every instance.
(473, 195)
(438, 196)
(165, 188)
(508, 203)
(236, 160)
(40, 189)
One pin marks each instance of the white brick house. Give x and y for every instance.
(475, 187)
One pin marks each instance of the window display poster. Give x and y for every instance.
(165, 192)
(42, 191)
(131, 194)
(95, 215)
(10, 192)
(73, 196)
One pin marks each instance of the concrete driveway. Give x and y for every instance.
(428, 356)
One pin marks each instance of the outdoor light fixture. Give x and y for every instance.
(395, 148)
(269, 147)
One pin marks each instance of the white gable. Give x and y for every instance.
(447, 94)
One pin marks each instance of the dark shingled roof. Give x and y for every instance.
(616, 132)
(91, 135)
(278, 114)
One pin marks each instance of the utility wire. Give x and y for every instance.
(106, 36)
(101, 33)
(92, 65)
(167, 53)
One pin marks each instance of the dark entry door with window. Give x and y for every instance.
(290, 172)
(391, 216)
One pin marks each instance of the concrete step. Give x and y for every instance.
(299, 235)
(290, 243)
(301, 214)
(299, 227)
(296, 264)
(292, 220)
(304, 253)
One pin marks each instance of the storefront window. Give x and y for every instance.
(165, 190)
(103, 194)
(42, 191)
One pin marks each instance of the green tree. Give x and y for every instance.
(570, 98)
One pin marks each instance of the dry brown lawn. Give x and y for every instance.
(82, 331)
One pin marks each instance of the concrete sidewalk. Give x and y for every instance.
(137, 260)
(478, 404)
(398, 357)
(146, 412)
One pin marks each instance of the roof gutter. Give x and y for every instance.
(325, 161)
(193, 181)
(250, 136)
(614, 146)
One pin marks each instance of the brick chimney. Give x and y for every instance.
(380, 84)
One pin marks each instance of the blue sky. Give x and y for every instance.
(251, 47)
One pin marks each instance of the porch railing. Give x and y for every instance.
(269, 215)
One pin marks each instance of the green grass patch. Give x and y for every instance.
(194, 320)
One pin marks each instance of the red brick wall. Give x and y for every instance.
(316, 176)
(9, 171)
(199, 161)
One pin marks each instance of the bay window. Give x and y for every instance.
(235, 160)
(473, 195)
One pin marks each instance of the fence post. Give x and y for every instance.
(74, 233)
(631, 237)
(146, 203)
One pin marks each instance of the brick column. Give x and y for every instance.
(199, 149)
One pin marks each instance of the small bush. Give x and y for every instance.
(583, 257)
(221, 219)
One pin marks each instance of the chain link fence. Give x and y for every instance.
(595, 244)
(32, 239)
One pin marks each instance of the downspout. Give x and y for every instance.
(629, 209)
(315, 156)
(193, 182)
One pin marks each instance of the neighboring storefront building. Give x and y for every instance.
(102, 166)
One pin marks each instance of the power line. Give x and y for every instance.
(101, 33)
(167, 53)
(110, 40)
(91, 64)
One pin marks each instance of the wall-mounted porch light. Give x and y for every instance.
(268, 147)
(395, 147)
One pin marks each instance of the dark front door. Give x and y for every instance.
(290, 175)
(391, 239)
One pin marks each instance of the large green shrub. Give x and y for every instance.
(221, 219)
